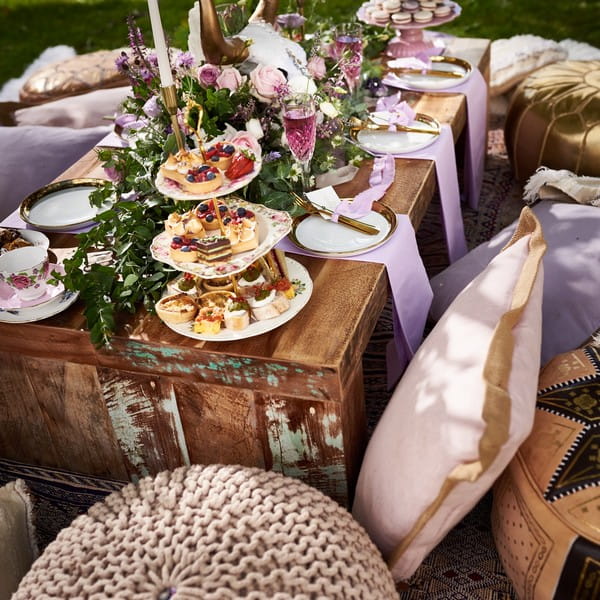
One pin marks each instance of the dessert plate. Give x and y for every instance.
(273, 225)
(297, 274)
(62, 206)
(326, 238)
(171, 188)
(56, 299)
(385, 141)
(461, 69)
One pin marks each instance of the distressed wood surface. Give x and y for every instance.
(291, 400)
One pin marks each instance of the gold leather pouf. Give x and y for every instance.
(554, 120)
(78, 75)
(546, 511)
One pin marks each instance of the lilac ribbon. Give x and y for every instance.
(475, 91)
(382, 176)
(409, 286)
(394, 111)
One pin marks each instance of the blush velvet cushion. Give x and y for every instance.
(571, 305)
(461, 410)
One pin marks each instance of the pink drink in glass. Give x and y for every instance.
(348, 49)
(300, 129)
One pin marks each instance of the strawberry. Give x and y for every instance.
(242, 164)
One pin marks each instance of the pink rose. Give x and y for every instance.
(316, 67)
(20, 281)
(244, 139)
(229, 78)
(208, 74)
(267, 80)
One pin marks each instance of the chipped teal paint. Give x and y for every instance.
(334, 441)
(232, 371)
(290, 449)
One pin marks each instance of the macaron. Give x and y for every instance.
(443, 10)
(423, 16)
(410, 6)
(428, 4)
(381, 17)
(401, 18)
(391, 6)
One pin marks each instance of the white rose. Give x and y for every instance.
(329, 110)
(254, 127)
(300, 84)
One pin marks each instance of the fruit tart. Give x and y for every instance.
(220, 155)
(176, 308)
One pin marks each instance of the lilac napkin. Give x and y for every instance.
(410, 289)
(475, 91)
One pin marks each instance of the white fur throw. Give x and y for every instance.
(549, 184)
(514, 58)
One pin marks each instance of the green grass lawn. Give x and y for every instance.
(27, 27)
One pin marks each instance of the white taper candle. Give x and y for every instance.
(164, 68)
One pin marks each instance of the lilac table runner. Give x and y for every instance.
(410, 289)
(441, 152)
(475, 91)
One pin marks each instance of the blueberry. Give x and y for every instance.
(210, 218)
(229, 149)
(241, 211)
(189, 177)
(177, 239)
(215, 158)
(227, 220)
(203, 168)
(222, 208)
(203, 207)
(210, 176)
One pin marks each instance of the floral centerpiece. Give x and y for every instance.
(212, 101)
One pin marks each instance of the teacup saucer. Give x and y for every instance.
(10, 300)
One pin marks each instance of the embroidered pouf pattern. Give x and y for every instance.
(546, 511)
(212, 532)
(554, 120)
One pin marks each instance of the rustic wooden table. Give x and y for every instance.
(290, 400)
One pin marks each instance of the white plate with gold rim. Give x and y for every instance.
(302, 282)
(459, 69)
(325, 238)
(378, 139)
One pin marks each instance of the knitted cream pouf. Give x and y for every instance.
(212, 532)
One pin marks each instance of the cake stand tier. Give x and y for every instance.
(409, 40)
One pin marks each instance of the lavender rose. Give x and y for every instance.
(208, 74)
(267, 81)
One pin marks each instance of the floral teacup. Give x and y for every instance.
(26, 271)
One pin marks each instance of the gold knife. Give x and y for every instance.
(432, 72)
(364, 227)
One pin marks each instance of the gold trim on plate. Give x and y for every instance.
(51, 188)
(378, 207)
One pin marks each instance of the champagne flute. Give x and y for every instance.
(300, 125)
(347, 49)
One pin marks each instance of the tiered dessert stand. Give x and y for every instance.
(409, 40)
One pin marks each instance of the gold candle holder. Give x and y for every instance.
(170, 99)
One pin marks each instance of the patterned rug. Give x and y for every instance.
(465, 565)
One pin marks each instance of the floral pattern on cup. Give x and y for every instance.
(26, 271)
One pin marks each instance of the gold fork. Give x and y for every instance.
(309, 207)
